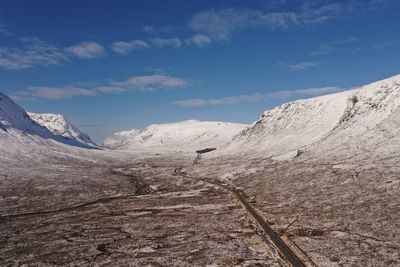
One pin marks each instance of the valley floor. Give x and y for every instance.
(131, 210)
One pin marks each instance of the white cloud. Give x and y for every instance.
(126, 47)
(148, 29)
(135, 83)
(194, 102)
(302, 66)
(169, 42)
(55, 92)
(221, 23)
(152, 82)
(87, 50)
(200, 40)
(33, 53)
(286, 94)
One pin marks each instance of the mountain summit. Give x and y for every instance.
(17, 125)
(58, 125)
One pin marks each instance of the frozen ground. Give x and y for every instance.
(340, 214)
(110, 211)
(106, 208)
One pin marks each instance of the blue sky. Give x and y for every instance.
(117, 65)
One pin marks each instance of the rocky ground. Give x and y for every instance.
(133, 211)
(339, 214)
(123, 214)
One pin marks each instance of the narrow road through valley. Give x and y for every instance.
(296, 259)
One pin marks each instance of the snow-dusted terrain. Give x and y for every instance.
(121, 139)
(323, 173)
(181, 136)
(22, 136)
(364, 118)
(58, 125)
(15, 121)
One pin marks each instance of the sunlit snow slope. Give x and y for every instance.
(58, 125)
(180, 136)
(19, 133)
(363, 119)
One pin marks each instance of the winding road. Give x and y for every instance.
(294, 256)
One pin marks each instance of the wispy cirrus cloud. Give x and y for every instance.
(300, 66)
(221, 23)
(86, 50)
(148, 29)
(149, 83)
(126, 47)
(167, 42)
(286, 94)
(200, 40)
(52, 93)
(32, 53)
(153, 30)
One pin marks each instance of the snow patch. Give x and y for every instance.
(287, 156)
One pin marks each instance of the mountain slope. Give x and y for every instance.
(181, 136)
(18, 131)
(370, 126)
(359, 118)
(58, 125)
(120, 139)
(13, 119)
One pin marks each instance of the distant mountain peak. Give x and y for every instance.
(59, 125)
(17, 124)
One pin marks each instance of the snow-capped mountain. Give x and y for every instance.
(58, 125)
(14, 119)
(356, 119)
(120, 139)
(180, 136)
(18, 130)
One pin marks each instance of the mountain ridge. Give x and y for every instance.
(17, 125)
(322, 122)
(59, 125)
(186, 135)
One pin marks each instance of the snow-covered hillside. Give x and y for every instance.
(181, 136)
(14, 120)
(360, 118)
(58, 125)
(293, 125)
(19, 133)
(370, 125)
(120, 139)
